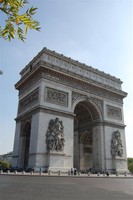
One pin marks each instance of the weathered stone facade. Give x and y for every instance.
(68, 115)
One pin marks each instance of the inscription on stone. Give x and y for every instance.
(56, 97)
(114, 112)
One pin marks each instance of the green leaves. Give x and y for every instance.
(20, 34)
(17, 23)
(130, 164)
(8, 32)
(31, 11)
(4, 165)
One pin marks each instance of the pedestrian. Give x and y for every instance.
(72, 171)
(75, 171)
(107, 173)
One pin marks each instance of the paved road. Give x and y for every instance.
(64, 188)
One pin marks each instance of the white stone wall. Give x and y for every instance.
(16, 144)
(98, 148)
(110, 162)
(113, 112)
(42, 120)
(59, 88)
(43, 110)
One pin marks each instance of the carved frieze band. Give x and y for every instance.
(75, 83)
(29, 100)
(114, 112)
(29, 84)
(56, 97)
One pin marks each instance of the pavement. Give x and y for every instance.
(64, 187)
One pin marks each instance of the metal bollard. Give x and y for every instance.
(49, 172)
(98, 174)
(125, 173)
(79, 173)
(31, 172)
(89, 173)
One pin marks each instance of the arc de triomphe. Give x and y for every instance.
(69, 115)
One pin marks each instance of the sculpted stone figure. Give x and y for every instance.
(55, 136)
(116, 144)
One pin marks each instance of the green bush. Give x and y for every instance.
(130, 164)
(4, 165)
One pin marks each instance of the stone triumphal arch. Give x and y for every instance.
(69, 115)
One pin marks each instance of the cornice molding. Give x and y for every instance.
(69, 60)
(43, 71)
(28, 113)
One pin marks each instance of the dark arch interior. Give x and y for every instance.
(85, 116)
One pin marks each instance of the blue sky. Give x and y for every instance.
(96, 32)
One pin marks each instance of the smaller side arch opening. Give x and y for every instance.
(25, 145)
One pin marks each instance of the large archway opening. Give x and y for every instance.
(86, 118)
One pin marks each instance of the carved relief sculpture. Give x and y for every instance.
(116, 144)
(29, 100)
(114, 112)
(76, 95)
(55, 136)
(56, 96)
